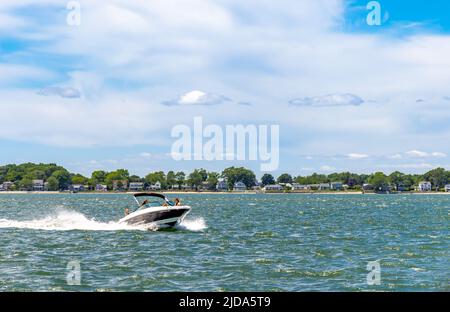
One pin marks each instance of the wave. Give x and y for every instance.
(195, 225)
(68, 220)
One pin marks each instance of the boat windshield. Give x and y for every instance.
(150, 201)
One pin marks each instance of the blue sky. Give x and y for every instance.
(347, 96)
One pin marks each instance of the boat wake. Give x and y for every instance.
(66, 220)
(195, 225)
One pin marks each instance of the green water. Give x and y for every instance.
(228, 243)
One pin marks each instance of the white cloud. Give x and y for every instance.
(438, 154)
(357, 156)
(328, 100)
(416, 153)
(420, 154)
(197, 97)
(327, 168)
(69, 93)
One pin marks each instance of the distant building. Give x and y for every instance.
(6, 186)
(101, 188)
(222, 185)
(401, 188)
(239, 186)
(424, 186)
(300, 187)
(447, 188)
(337, 186)
(324, 186)
(155, 187)
(368, 187)
(120, 185)
(77, 188)
(273, 187)
(38, 185)
(136, 186)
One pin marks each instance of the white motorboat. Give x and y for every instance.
(156, 210)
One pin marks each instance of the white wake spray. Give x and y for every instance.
(67, 220)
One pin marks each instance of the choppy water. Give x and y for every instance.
(228, 243)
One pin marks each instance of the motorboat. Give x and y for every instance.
(155, 209)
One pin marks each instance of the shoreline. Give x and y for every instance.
(217, 193)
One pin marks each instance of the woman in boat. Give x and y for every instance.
(177, 202)
(127, 211)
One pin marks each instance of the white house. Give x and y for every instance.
(338, 186)
(156, 186)
(77, 188)
(136, 186)
(6, 186)
(38, 185)
(447, 188)
(239, 186)
(222, 185)
(324, 186)
(299, 187)
(273, 187)
(101, 188)
(424, 186)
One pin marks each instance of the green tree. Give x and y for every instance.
(180, 176)
(195, 178)
(53, 184)
(233, 175)
(379, 181)
(213, 179)
(63, 178)
(267, 179)
(438, 177)
(26, 184)
(79, 179)
(284, 178)
(154, 177)
(98, 177)
(397, 179)
(118, 175)
(135, 178)
(171, 179)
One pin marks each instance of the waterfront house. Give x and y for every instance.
(368, 187)
(239, 187)
(77, 188)
(424, 186)
(300, 187)
(101, 188)
(273, 188)
(324, 186)
(447, 188)
(136, 186)
(155, 187)
(6, 186)
(120, 185)
(38, 185)
(222, 185)
(337, 186)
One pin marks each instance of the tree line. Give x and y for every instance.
(59, 178)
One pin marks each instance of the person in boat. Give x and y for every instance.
(127, 211)
(145, 202)
(177, 202)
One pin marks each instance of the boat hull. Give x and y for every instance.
(159, 216)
